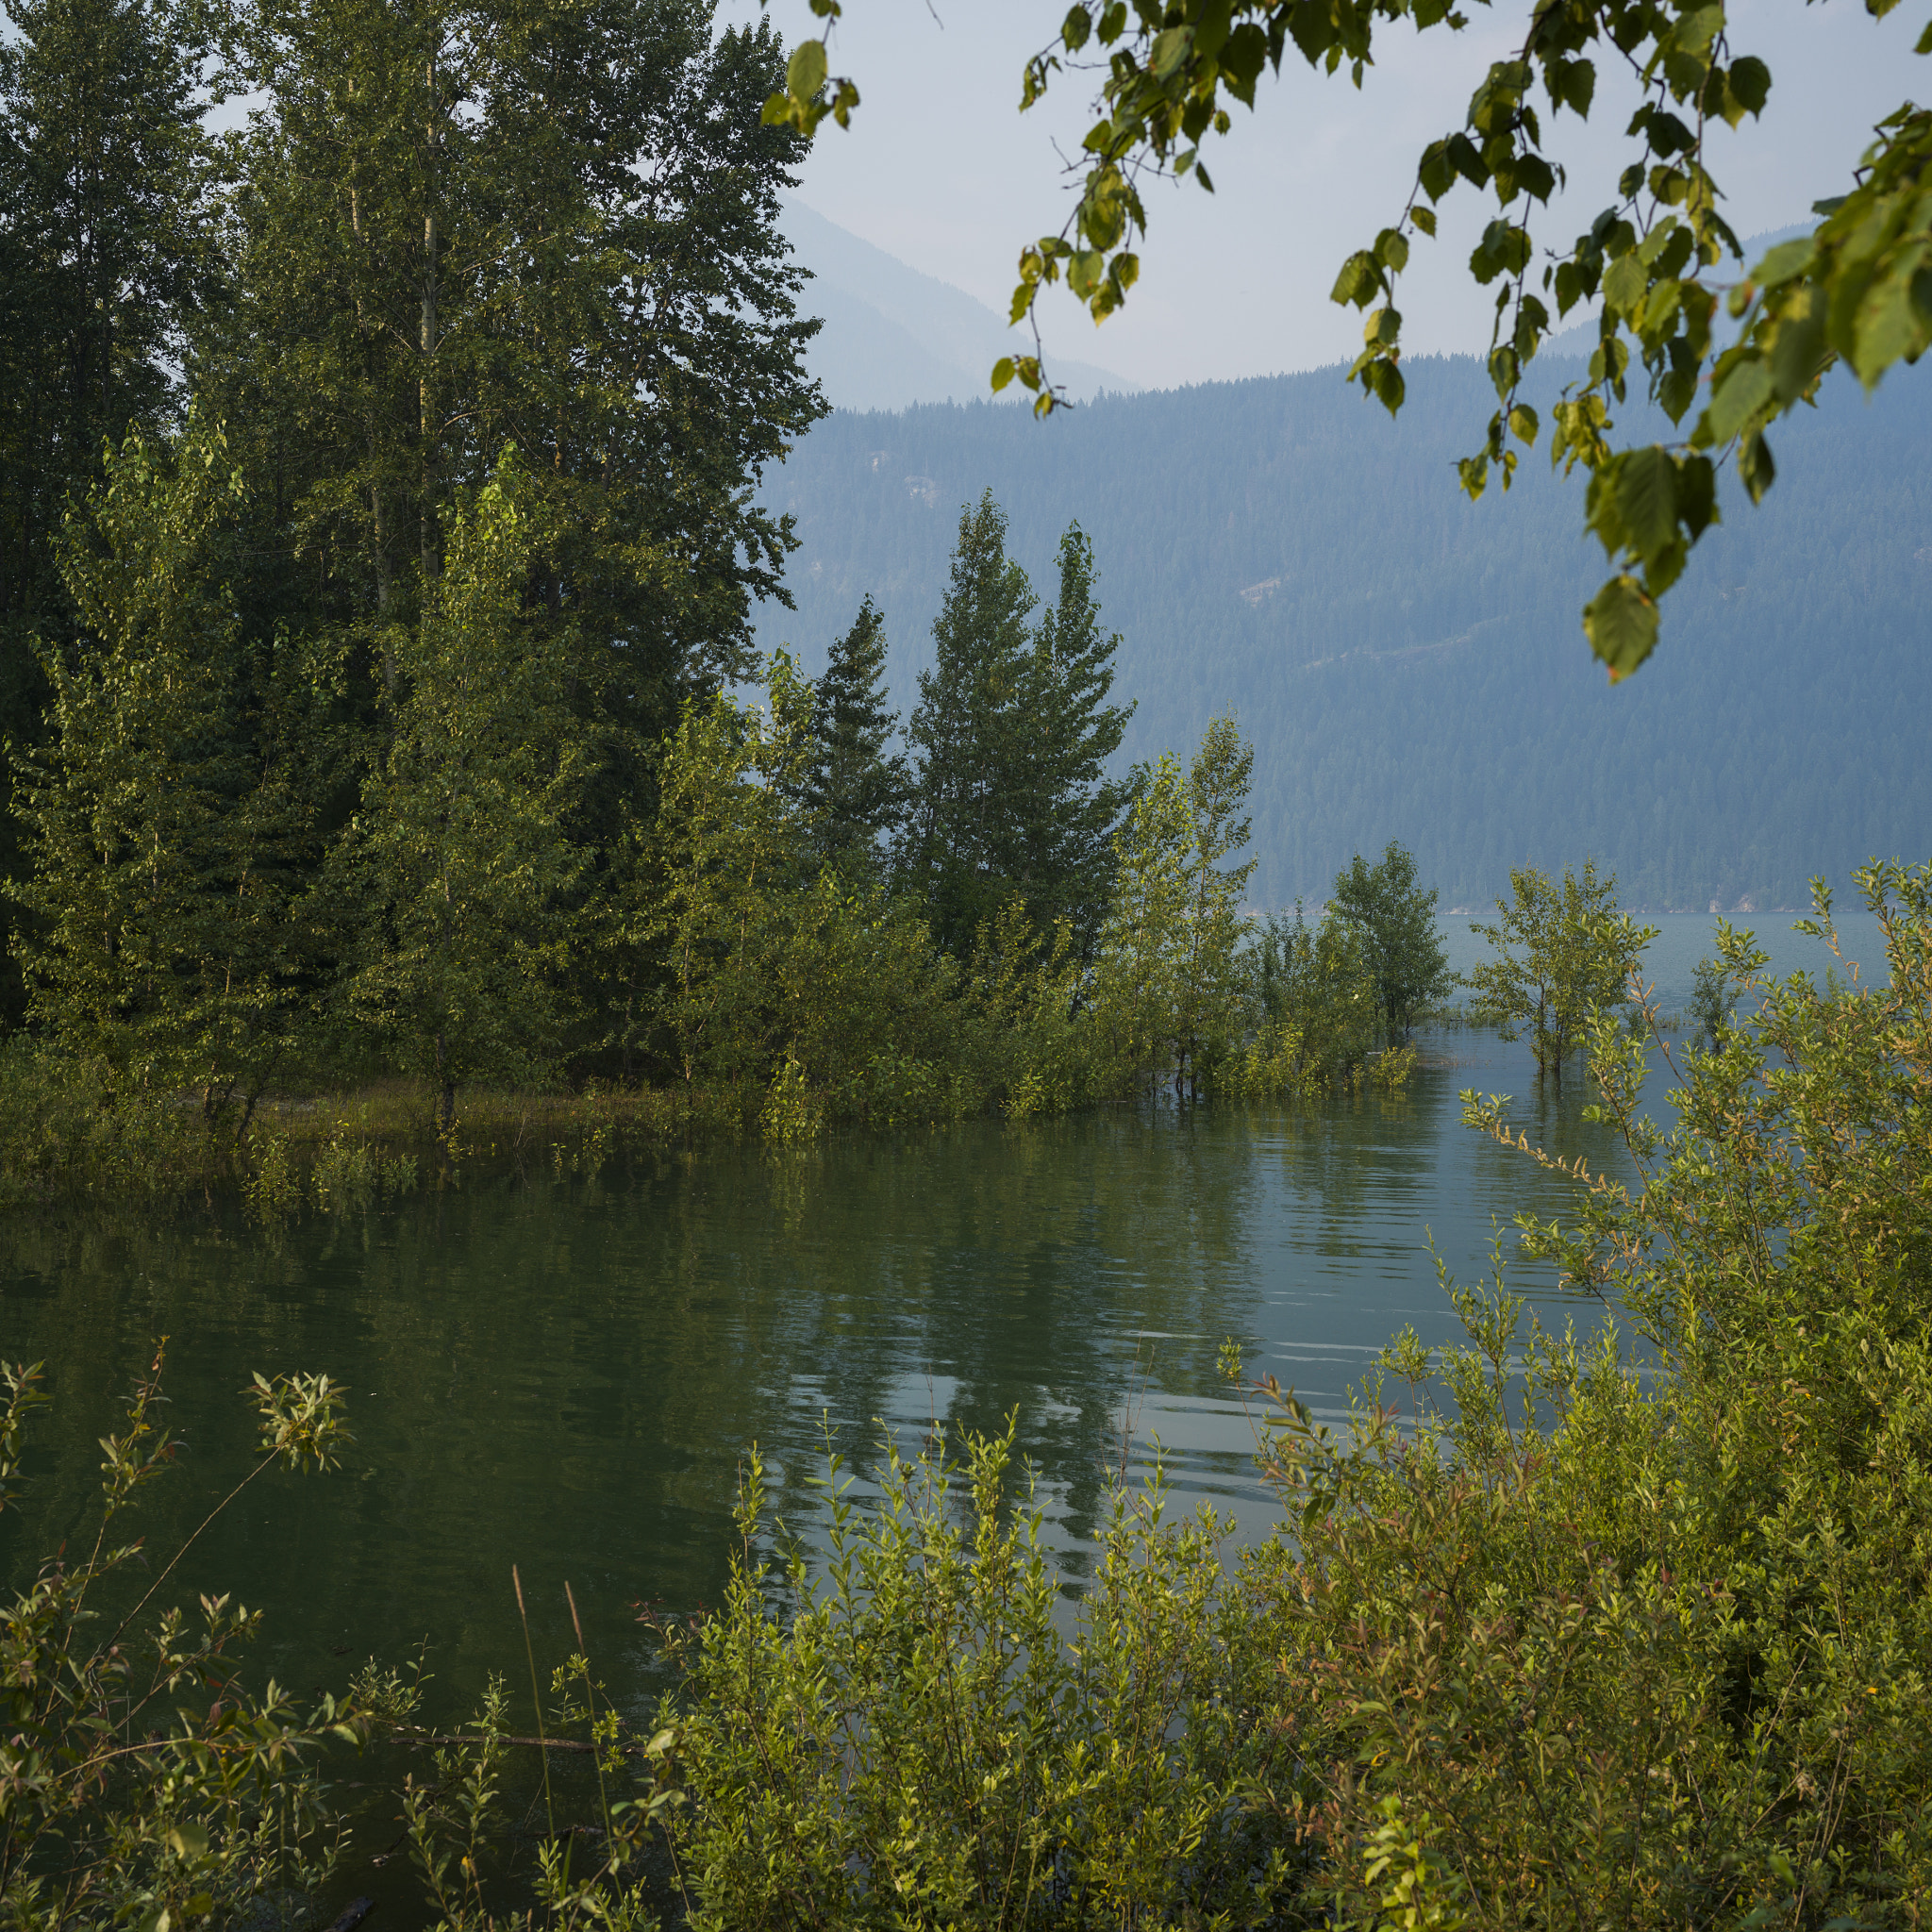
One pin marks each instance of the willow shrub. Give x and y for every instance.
(920, 1730)
(1588, 1638)
(66, 1128)
(1605, 1647)
(140, 1784)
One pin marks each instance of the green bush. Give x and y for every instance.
(139, 1786)
(912, 1737)
(1579, 1636)
(1648, 1644)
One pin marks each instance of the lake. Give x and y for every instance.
(564, 1371)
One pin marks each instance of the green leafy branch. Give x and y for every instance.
(1858, 290)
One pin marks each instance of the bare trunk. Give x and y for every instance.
(385, 590)
(445, 1097)
(426, 389)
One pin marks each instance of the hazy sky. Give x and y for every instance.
(941, 169)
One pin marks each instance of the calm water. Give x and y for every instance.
(565, 1375)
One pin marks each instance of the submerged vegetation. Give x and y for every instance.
(1554, 1635)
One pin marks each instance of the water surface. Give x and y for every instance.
(564, 1373)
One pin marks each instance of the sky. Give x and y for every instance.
(941, 169)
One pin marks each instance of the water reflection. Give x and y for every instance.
(566, 1375)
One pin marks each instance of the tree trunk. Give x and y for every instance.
(445, 1096)
(426, 346)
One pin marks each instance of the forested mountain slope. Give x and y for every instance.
(1412, 665)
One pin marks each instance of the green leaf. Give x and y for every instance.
(1754, 466)
(1787, 260)
(1890, 325)
(1391, 249)
(1743, 391)
(1621, 622)
(1646, 486)
(189, 1841)
(1797, 350)
(1626, 285)
(1424, 219)
(1086, 272)
(1002, 372)
(1696, 494)
(1359, 280)
(1171, 48)
(804, 73)
(1750, 83)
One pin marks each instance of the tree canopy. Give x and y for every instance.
(1659, 258)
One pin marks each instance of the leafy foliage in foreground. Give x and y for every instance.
(138, 1784)
(1653, 1650)
(1589, 1640)
(1577, 1645)
(914, 1740)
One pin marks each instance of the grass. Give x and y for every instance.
(66, 1137)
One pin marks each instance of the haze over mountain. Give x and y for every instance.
(1412, 665)
(895, 336)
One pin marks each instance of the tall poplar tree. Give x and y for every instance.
(102, 183)
(1170, 989)
(460, 857)
(478, 222)
(102, 258)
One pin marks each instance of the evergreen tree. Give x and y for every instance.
(968, 731)
(1397, 924)
(1070, 811)
(853, 790)
(1014, 731)
(171, 817)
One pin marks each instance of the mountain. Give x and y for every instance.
(1410, 665)
(893, 337)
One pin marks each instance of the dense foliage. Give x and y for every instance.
(244, 879)
(281, 369)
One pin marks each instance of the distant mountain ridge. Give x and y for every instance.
(893, 337)
(1412, 665)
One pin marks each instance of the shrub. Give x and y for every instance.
(1647, 1643)
(915, 1740)
(118, 1805)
